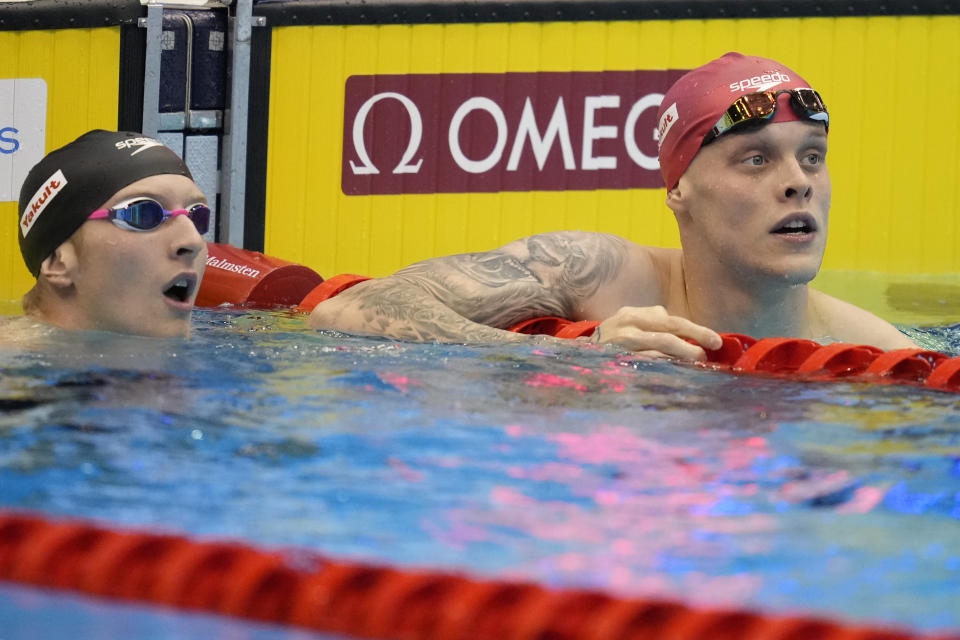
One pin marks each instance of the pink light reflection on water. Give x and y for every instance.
(404, 471)
(657, 505)
(609, 444)
(864, 499)
(633, 503)
(552, 380)
(401, 382)
(602, 380)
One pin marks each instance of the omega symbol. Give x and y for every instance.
(367, 167)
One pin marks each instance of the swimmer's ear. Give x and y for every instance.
(675, 199)
(58, 268)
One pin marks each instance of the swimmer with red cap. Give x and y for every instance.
(110, 225)
(743, 144)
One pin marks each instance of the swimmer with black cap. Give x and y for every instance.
(743, 144)
(110, 225)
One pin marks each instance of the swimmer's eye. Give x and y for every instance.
(754, 160)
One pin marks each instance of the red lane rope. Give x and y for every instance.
(807, 360)
(362, 600)
(801, 359)
(782, 357)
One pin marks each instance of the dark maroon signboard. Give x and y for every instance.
(486, 132)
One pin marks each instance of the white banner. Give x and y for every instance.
(23, 131)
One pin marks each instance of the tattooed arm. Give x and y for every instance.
(473, 297)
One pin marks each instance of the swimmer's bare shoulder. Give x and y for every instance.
(840, 321)
(23, 332)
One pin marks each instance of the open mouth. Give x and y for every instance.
(798, 225)
(181, 289)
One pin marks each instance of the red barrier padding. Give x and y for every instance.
(716, 625)
(734, 345)
(363, 600)
(55, 554)
(776, 355)
(839, 359)
(328, 289)
(912, 365)
(946, 375)
(200, 577)
(497, 608)
(644, 619)
(407, 608)
(261, 588)
(546, 325)
(331, 595)
(128, 565)
(556, 327)
(460, 616)
(579, 329)
(250, 279)
(14, 529)
(308, 605)
(568, 616)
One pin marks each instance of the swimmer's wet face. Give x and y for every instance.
(140, 282)
(110, 225)
(756, 203)
(743, 141)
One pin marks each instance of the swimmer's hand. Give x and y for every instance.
(652, 332)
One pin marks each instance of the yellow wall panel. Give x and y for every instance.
(524, 45)
(942, 137)
(904, 246)
(891, 84)
(846, 99)
(81, 68)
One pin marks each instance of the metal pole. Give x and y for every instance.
(151, 72)
(234, 168)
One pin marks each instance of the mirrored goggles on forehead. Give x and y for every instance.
(754, 107)
(144, 214)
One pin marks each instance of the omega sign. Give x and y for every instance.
(485, 132)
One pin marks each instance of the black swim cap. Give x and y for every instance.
(71, 182)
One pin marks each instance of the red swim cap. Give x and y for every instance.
(695, 102)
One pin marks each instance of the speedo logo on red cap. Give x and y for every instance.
(47, 192)
(761, 82)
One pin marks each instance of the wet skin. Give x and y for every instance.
(753, 207)
(123, 280)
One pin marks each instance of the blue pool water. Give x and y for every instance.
(569, 466)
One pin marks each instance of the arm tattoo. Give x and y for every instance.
(398, 309)
(473, 297)
(546, 274)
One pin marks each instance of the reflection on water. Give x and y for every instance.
(572, 466)
(913, 299)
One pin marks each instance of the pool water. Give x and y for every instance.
(567, 465)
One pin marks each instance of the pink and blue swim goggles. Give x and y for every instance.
(144, 214)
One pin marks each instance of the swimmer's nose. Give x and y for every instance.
(798, 184)
(186, 241)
